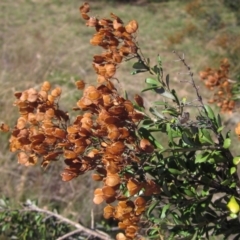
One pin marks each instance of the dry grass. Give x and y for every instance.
(46, 39)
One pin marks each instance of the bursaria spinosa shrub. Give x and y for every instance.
(165, 173)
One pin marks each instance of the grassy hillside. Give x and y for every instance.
(47, 40)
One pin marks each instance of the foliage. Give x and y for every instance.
(183, 187)
(20, 224)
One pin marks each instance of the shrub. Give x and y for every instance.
(165, 171)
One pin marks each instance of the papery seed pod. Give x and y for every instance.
(60, 133)
(85, 8)
(112, 180)
(101, 79)
(140, 202)
(116, 17)
(126, 36)
(97, 177)
(108, 194)
(32, 118)
(139, 100)
(105, 22)
(98, 196)
(96, 39)
(43, 95)
(50, 113)
(70, 154)
(27, 160)
(24, 96)
(38, 137)
(117, 58)
(46, 86)
(80, 84)
(131, 231)
(51, 99)
(18, 94)
(128, 105)
(108, 211)
(98, 59)
(117, 24)
(121, 236)
(32, 95)
(116, 148)
(85, 16)
(92, 22)
(56, 92)
(51, 155)
(122, 225)
(4, 127)
(68, 175)
(113, 42)
(21, 123)
(133, 186)
(110, 70)
(112, 168)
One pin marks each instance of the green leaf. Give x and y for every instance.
(187, 140)
(149, 88)
(171, 111)
(175, 171)
(165, 189)
(151, 81)
(200, 158)
(168, 81)
(175, 97)
(156, 69)
(147, 123)
(236, 160)
(139, 65)
(220, 129)
(233, 170)
(138, 71)
(162, 91)
(156, 113)
(189, 193)
(125, 95)
(164, 211)
(226, 182)
(219, 121)
(159, 60)
(205, 137)
(151, 208)
(160, 103)
(227, 143)
(148, 168)
(195, 236)
(210, 112)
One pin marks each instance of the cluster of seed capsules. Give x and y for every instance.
(217, 80)
(103, 138)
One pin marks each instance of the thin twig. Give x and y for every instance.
(92, 219)
(191, 75)
(87, 231)
(69, 234)
(220, 138)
